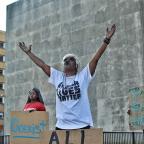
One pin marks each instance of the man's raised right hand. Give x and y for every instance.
(24, 48)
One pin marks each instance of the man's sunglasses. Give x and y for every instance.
(67, 60)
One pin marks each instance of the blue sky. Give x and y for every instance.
(3, 4)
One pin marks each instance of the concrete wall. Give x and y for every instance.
(57, 27)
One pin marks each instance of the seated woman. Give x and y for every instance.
(35, 101)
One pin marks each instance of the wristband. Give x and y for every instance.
(106, 40)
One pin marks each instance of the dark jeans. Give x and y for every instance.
(87, 127)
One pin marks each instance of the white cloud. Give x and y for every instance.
(3, 4)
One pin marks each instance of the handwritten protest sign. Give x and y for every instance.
(89, 136)
(26, 127)
(32, 128)
(136, 99)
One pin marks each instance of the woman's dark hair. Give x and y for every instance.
(39, 96)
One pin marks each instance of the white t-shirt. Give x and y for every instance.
(72, 103)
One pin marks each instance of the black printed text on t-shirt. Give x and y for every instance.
(68, 92)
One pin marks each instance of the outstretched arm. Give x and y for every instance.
(34, 58)
(95, 59)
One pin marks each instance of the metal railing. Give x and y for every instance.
(5, 139)
(123, 138)
(108, 138)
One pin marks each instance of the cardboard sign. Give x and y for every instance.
(26, 127)
(136, 99)
(89, 136)
(32, 128)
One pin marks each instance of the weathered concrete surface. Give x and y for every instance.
(57, 27)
